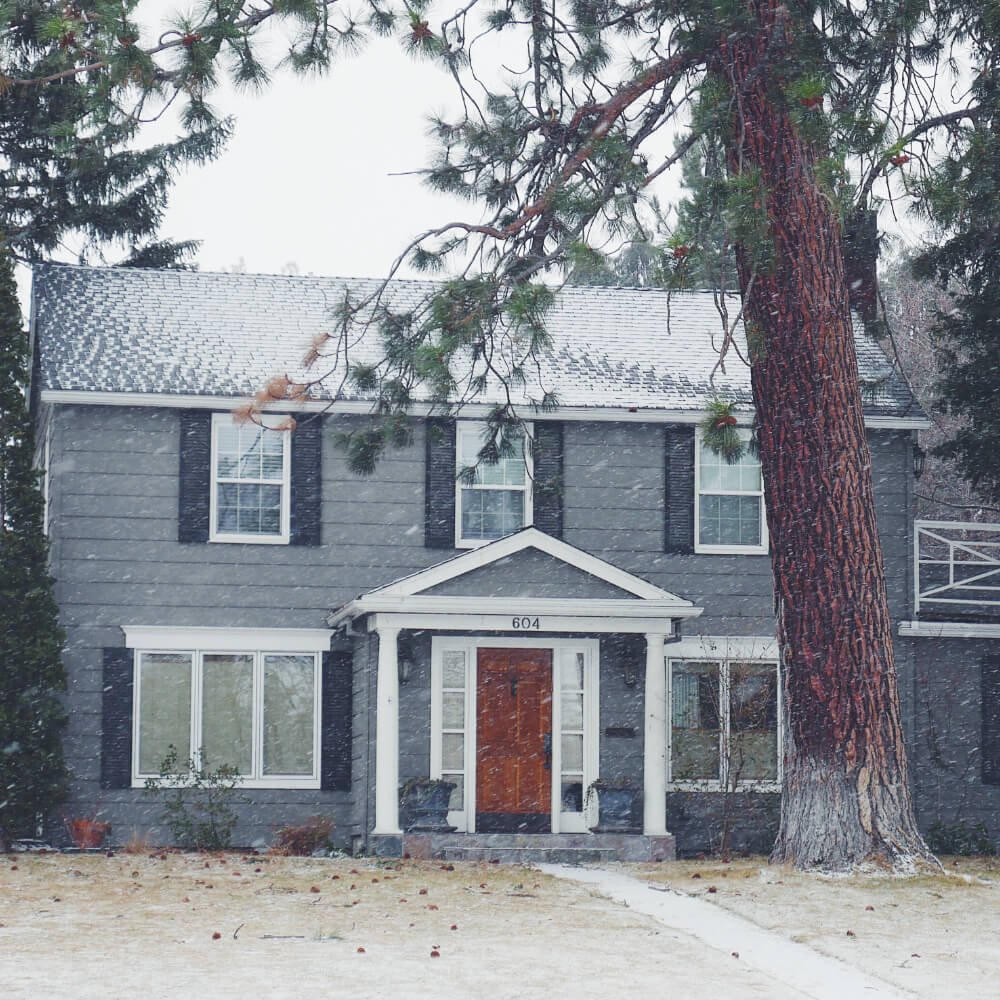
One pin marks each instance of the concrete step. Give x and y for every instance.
(528, 855)
(561, 848)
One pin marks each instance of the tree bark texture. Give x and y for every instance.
(846, 799)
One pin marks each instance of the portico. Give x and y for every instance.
(517, 630)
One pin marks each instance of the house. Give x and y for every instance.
(597, 605)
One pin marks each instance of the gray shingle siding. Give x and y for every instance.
(115, 476)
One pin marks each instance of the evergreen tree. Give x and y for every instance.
(75, 87)
(962, 198)
(812, 109)
(32, 770)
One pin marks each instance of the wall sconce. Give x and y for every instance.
(404, 658)
(919, 460)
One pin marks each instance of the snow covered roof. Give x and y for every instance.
(195, 333)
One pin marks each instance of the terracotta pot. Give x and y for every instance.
(87, 833)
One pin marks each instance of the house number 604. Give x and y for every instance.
(524, 622)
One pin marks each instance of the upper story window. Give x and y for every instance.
(251, 475)
(491, 500)
(729, 503)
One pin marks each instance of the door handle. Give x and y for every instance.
(547, 748)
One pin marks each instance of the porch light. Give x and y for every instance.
(919, 460)
(404, 659)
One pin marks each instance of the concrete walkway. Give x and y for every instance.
(816, 976)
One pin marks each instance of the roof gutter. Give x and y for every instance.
(583, 414)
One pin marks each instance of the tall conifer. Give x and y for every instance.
(32, 770)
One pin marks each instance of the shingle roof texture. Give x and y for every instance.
(127, 330)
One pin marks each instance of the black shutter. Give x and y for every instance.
(990, 696)
(439, 485)
(548, 474)
(307, 481)
(679, 499)
(195, 473)
(335, 739)
(116, 718)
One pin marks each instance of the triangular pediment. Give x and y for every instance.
(528, 563)
(529, 573)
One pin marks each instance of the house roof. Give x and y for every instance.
(195, 333)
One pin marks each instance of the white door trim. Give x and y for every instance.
(562, 822)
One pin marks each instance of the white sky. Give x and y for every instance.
(307, 179)
(310, 181)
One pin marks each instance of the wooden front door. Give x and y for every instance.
(514, 741)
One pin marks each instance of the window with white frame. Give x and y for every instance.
(723, 729)
(729, 502)
(254, 709)
(251, 476)
(492, 500)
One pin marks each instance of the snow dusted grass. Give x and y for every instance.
(934, 935)
(145, 926)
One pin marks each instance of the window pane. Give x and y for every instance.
(164, 708)
(572, 711)
(289, 701)
(753, 722)
(694, 728)
(491, 513)
(708, 520)
(749, 473)
(457, 800)
(453, 751)
(453, 710)
(729, 520)
(572, 795)
(572, 672)
(453, 669)
(227, 710)
(271, 466)
(572, 753)
(508, 471)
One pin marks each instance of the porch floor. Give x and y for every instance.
(557, 848)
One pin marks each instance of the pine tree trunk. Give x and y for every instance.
(846, 799)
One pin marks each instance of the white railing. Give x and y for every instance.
(956, 563)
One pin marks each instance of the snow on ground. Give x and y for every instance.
(935, 936)
(145, 925)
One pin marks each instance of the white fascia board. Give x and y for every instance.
(518, 542)
(274, 640)
(527, 606)
(724, 647)
(950, 630)
(583, 414)
(546, 624)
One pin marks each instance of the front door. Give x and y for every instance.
(514, 740)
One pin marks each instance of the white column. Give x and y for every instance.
(654, 811)
(387, 736)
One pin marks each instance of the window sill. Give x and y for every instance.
(248, 784)
(731, 550)
(715, 788)
(250, 539)
(478, 543)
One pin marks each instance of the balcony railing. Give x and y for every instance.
(957, 569)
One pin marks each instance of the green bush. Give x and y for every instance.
(957, 838)
(198, 804)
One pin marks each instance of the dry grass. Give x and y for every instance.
(167, 924)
